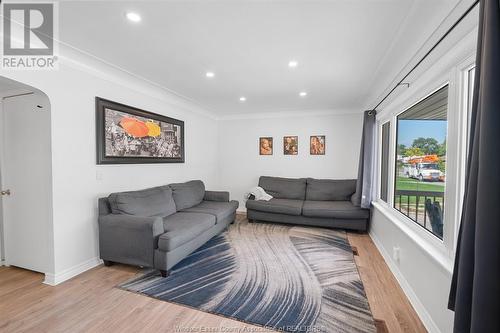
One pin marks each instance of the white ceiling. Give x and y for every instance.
(345, 49)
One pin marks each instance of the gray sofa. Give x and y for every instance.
(160, 226)
(307, 201)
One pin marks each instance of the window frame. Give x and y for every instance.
(394, 175)
(463, 69)
(380, 143)
(438, 244)
(455, 76)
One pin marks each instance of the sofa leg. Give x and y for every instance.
(107, 263)
(250, 221)
(164, 273)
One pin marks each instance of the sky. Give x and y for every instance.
(409, 130)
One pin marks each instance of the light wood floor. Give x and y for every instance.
(91, 303)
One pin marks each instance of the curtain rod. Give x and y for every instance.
(401, 82)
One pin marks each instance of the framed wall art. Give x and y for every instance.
(266, 146)
(128, 135)
(290, 145)
(317, 145)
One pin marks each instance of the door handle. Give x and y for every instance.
(6, 192)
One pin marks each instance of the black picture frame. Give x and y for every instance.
(101, 105)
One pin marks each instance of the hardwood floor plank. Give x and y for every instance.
(387, 300)
(91, 303)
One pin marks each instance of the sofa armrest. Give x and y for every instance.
(221, 196)
(129, 239)
(355, 200)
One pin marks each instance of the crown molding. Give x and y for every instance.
(89, 63)
(81, 60)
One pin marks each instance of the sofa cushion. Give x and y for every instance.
(284, 188)
(183, 227)
(156, 201)
(220, 210)
(334, 209)
(279, 206)
(188, 194)
(330, 189)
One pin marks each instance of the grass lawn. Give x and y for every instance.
(410, 184)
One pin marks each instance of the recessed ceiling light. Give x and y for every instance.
(243, 99)
(302, 94)
(293, 64)
(134, 17)
(210, 74)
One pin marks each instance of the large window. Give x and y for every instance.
(420, 171)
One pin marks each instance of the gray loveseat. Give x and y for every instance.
(160, 226)
(308, 201)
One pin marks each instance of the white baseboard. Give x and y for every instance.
(55, 279)
(424, 316)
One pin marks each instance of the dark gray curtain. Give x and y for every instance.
(475, 288)
(366, 168)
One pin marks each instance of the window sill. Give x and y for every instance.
(434, 249)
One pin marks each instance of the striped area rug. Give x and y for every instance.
(287, 278)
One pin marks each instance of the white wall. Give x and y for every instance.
(425, 282)
(240, 164)
(72, 90)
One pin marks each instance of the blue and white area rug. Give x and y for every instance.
(287, 278)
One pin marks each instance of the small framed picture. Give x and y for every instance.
(290, 145)
(317, 145)
(266, 145)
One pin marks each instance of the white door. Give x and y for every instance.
(26, 175)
